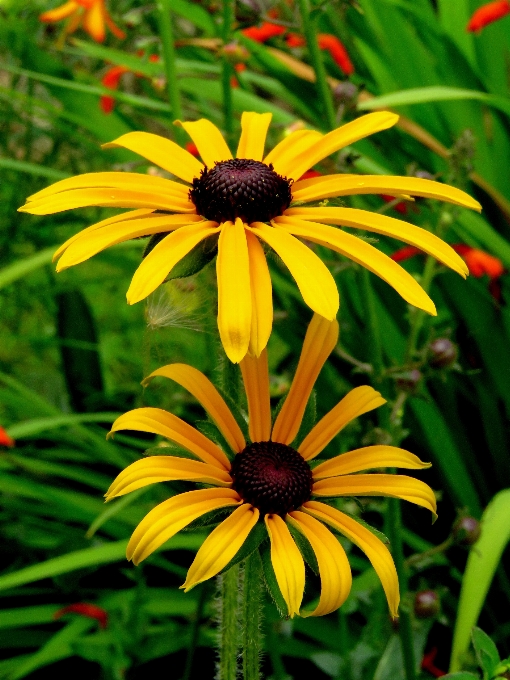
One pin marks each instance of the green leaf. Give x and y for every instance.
(462, 675)
(29, 428)
(486, 652)
(21, 268)
(271, 582)
(32, 169)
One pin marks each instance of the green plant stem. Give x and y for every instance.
(373, 327)
(228, 584)
(195, 631)
(252, 617)
(172, 85)
(310, 31)
(227, 71)
(279, 672)
(418, 314)
(230, 378)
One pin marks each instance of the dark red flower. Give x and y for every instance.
(488, 13)
(5, 440)
(405, 253)
(263, 32)
(192, 149)
(400, 207)
(309, 174)
(427, 663)
(92, 611)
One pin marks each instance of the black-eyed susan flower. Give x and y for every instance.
(91, 14)
(267, 481)
(245, 202)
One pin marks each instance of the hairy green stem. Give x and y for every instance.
(228, 587)
(227, 71)
(252, 615)
(324, 91)
(172, 85)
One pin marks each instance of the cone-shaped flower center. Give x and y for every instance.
(241, 188)
(272, 477)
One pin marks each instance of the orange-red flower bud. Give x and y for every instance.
(92, 611)
(5, 440)
(264, 32)
(488, 13)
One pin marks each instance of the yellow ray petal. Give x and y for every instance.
(234, 290)
(160, 261)
(261, 296)
(282, 157)
(288, 564)
(108, 198)
(368, 458)
(208, 140)
(364, 254)
(161, 151)
(313, 278)
(113, 180)
(318, 188)
(93, 242)
(165, 469)
(355, 403)
(204, 391)
(93, 22)
(161, 422)
(382, 224)
(256, 385)
(320, 339)
(221, 545)
(334, 568)
(396, 486)
(59, 13)
(169, 517)
(342, 137)
(373, 547)
(253, 135)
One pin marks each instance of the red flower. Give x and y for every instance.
(488, 13)
(91, 14)
(264, 32)
(92, 611)
(111, 80)
(192, 149)
(479, 263)
(327, 42)
(399, 207)
(427, 663)
(295, 40)
(309, 174)
(5, 440)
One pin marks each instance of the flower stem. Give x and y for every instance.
(252, 615)
(227, 71)
(419, 315)
(172, 85)
(310, 30)
(373, 327)
(228, 624)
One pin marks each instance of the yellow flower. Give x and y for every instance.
(92, 14)
(244, 201)
(269, 482)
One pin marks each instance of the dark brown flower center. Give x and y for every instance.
(273, 477)
(241, 188)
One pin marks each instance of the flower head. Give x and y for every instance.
(111, 80)
(263, 32)
(329, 43)
(242, 203)
(486, 14)
(5, 440)
(268, 481)
(91, 14)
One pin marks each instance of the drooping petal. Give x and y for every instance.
(320, 339)
(288, 564)
(161, 422)
(334, 568)
(342, 137)
(318, 188)
(93, 242)
(93, 22)
(164, 256)
(169, 517)
(221, 545)
(117, 32)
(161, 151)
(313, 278)
(373, 547)
(253, 135)
(382, 224)
(204, 391)
(368, 458)
(234, 290)
(165, 469)
(355, 403)
(59, 13)
(256, 385)
(283, 155)
(396, 486)
(261, 296)
(208, 140)
(367, 256)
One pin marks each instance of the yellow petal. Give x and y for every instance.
(221, 545)
(320, 339)
(368, 458)
(283, 155)
(253, 135)
(362, 253)
(355, 403)
(108, 198)
(91, 243)
(288, 564)
(161, 422)
(261, 296)
(234, 290)
(396, 486)
(318, 188)
(334, 569)
(208, 140)
(160, 261)
(59, 13)
(93, 22)
(165, 469)
(342, 137)
(204, 391)
(256, 385)
(373, 547)
(161, 151)
(169, 517)
(382, 224)
(313, 278)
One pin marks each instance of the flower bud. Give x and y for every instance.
(442, 353)
(423, 174)
(466, 531)
(235, 52)
(426, 604)
(346, 92)
(409, 381)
